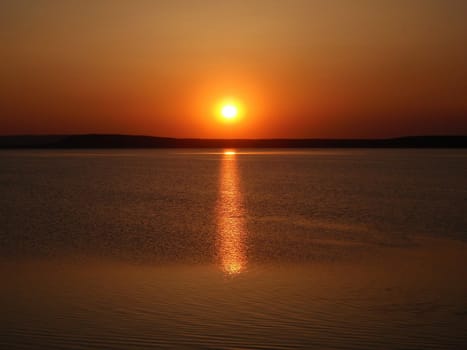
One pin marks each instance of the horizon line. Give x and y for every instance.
(239, 138)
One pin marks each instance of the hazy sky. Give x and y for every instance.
(301, 68)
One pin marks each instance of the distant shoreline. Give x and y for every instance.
(112, 141)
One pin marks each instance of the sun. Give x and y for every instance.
(229, 111)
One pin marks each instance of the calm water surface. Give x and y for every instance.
(271, 249)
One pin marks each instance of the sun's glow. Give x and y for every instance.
(230, 153)
(229, 111)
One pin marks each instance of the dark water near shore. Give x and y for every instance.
(258, 249)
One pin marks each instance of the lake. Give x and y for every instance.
(224, 249)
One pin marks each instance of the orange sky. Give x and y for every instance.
(302, 68)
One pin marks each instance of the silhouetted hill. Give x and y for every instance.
(130, 141)
(113, 141)
(32, 141)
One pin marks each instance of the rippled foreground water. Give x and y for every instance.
(210, 249)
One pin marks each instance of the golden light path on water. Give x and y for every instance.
(231, 220)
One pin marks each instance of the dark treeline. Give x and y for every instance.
(130, 141)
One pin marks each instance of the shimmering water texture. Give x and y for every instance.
(245, 249)
(231, 218)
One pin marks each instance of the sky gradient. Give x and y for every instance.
(300, 68)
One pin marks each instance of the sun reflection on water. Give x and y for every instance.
(231, 221)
